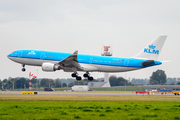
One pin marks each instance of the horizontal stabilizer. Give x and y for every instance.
(166, 61)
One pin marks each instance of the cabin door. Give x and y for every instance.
(126, 63)
(42, 56)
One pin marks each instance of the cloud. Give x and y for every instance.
(80, 11)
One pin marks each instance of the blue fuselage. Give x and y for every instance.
(37, 57)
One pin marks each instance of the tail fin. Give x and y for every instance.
(153, 49)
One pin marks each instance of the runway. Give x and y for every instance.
(84, 93)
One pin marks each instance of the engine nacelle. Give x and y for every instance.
(50, 67)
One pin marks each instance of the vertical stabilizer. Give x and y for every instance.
(153, 49)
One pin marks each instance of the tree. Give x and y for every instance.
(34, 81)
(0, 84)
(113, 80)
(158, 77)
(71, 84)
(172, 83)
(58, 83)
(178, 83)
(14, 81)
(5, 80)
(77, 82)
(21, 83)
(102, 81)
(121, 81)
(47, 82)
(9, 84)
(64, 85)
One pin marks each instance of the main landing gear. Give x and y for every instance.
(23, 69)
(86, 75)
(76, 76)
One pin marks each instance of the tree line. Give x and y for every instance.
(23, 83)
(157, 78)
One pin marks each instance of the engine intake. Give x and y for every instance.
(50, 67)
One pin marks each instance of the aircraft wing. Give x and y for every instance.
(71, 63)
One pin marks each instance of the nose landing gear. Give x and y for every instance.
(23, 69)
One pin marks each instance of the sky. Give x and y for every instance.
(86, 25)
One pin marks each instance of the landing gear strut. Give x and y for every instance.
(75, 74)
(23, 69)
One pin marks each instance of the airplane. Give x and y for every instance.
(68, 62)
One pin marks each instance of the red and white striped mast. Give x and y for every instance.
(31, 75)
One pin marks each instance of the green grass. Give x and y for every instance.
(88, 110)
(89, 107)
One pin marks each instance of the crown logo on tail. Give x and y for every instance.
(152, 46)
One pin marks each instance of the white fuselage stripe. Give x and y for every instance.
(100, 68)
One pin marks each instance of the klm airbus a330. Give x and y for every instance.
(52, 61)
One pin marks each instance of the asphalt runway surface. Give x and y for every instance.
(96, 94)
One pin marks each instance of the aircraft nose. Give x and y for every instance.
(9, 56)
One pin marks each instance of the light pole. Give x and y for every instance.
(67, 84)
(21, 85)
(125, 81)
(49, 83)
(61, 86)
(2, 85)
(37, 81)
(13, 85)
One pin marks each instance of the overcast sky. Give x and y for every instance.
(86, 25)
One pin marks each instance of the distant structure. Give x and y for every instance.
(161, 87)
(105, 51)
(80, 88)
(106, 80)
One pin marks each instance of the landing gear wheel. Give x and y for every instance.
(78, 78)
(23, 69)
(86, 75)
(74, 75)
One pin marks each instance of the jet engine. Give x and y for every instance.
(50, 67)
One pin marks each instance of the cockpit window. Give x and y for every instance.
(12, 53)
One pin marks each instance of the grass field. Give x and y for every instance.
(70, 107)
